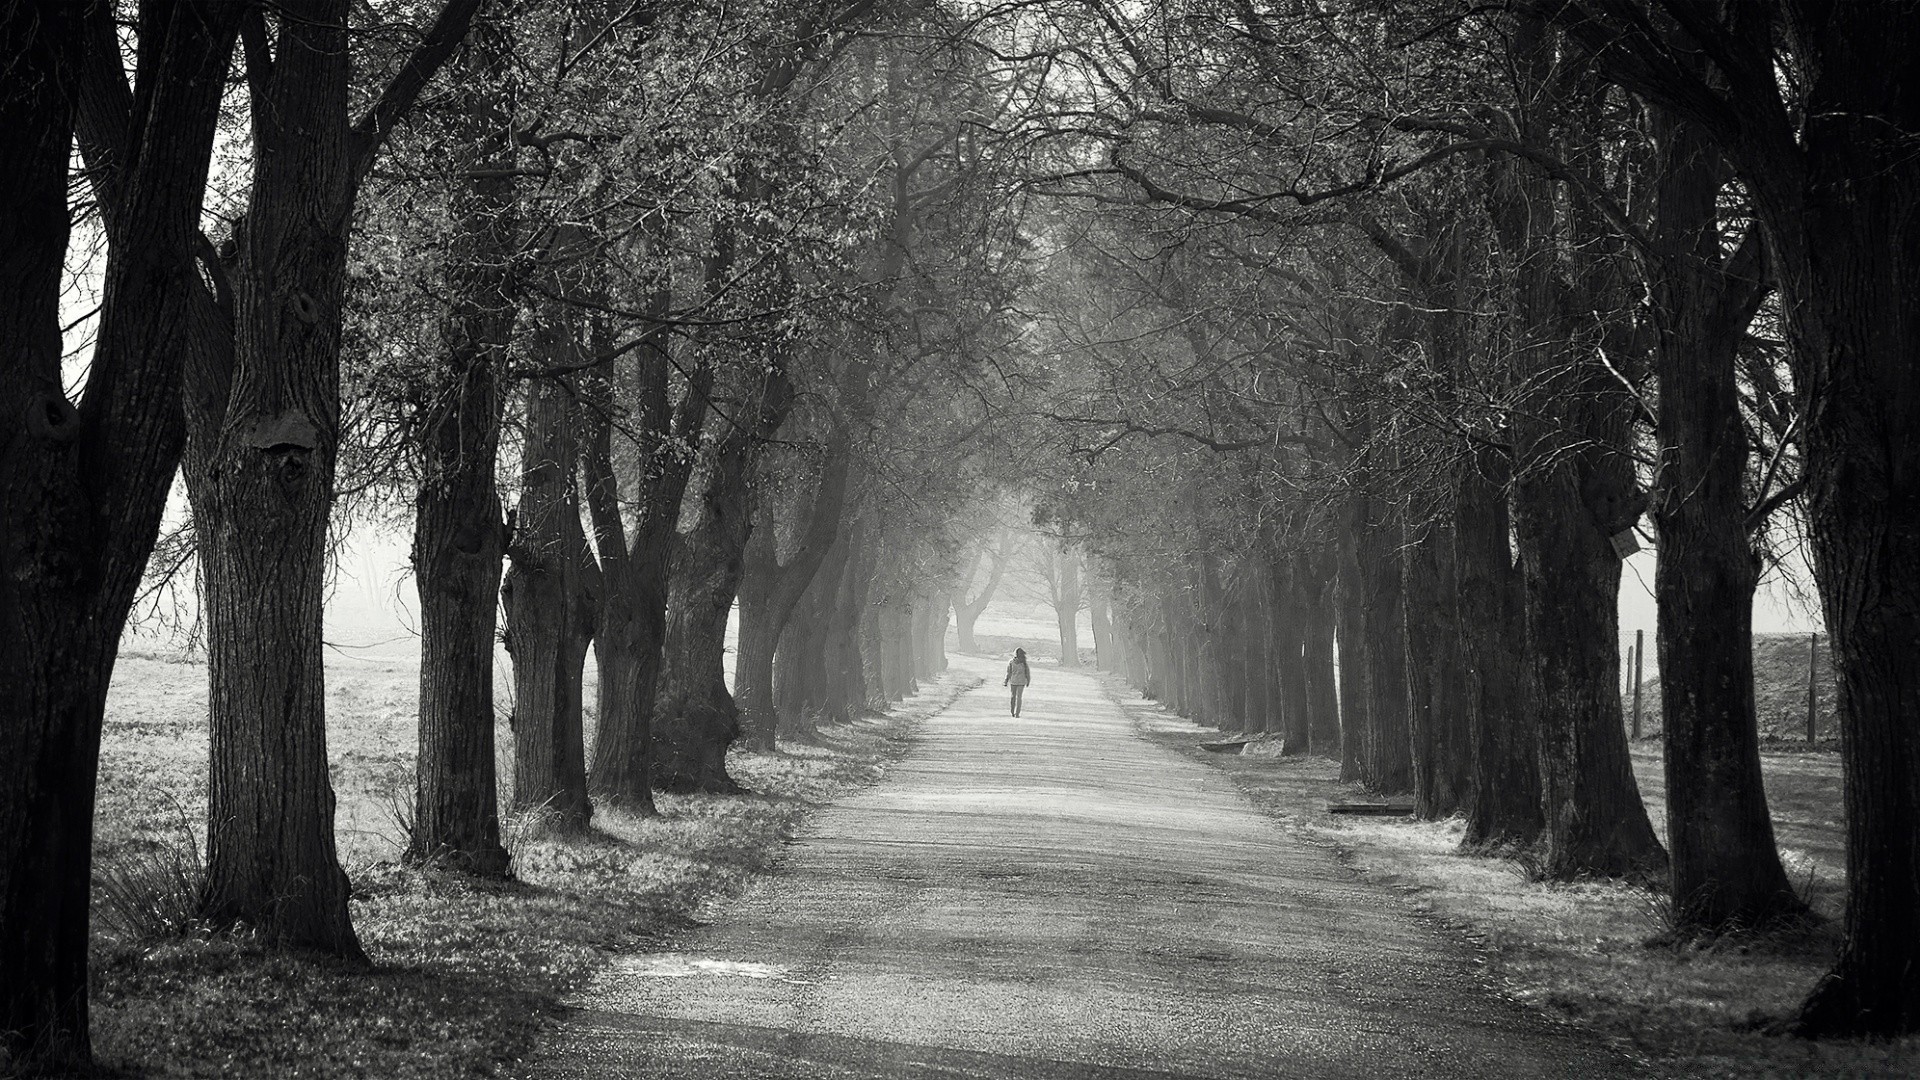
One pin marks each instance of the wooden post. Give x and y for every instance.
(1813, 679)
(1639, 657)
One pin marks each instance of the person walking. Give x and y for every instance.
(1018, 676)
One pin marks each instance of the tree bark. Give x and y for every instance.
(635, 559)
(1436, 676)
(1504, 810)
(1322, 681)
(1066, 606)
(1288, 630)
(1386, 763)
(1350, 637)
(458, 539)
(82, 490)
(770, 589)
(1726, 868)
(262, 443)
(551, 612)
(1099, 605)
(696, 719)
(1574, 489)
(1856, 332)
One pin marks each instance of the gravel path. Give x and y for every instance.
(1056, 897)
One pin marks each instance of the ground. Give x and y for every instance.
(469, 976)
(1055, 896)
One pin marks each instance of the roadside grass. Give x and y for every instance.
(464, 972)
(1583, 951)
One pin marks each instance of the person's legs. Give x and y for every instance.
(1016, 699)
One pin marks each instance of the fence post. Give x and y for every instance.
(1639, 657)
(1813, 679)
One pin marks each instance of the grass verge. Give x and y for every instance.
(465, 973)
(1582, 951)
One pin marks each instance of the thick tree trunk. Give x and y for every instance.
(696, 719)
(261, 455)
(458, 538)
(632, 632)
(1387, 761)
(1350, 635)
(1436, 676)
(1100, 607)
(1574, 489)
(1317, 637)
(65, 582)
(770, 589)
(550, 615)
(1726, 869)
(1066, 606)
(1504, 810)
(1288, 633)
(847, 699)
(1263, 703)
(1856, 332)
(1595, 821)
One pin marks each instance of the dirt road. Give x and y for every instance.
(1056, 897)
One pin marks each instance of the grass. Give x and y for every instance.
(465, 973)
(1585, 951)
(1780, 670)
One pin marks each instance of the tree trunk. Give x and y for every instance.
(549, 617)
(1436, 676)
(967, 612)
(458, 543)
(629, 641)
(1595, 821)
(1066, 608)
(846, 639)
(1726, 868)
(1574, 489)
(1350, 635)
(53, 684)
(770, 589)
(81, 490)
(696, 719)
(1386, 764)
(261, 456)
(1317, 632)
(1099, 605)
(1504, 810)
(1288, 626)
(1856, 331)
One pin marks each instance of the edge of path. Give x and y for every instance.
(880, 741)
(1155, 724)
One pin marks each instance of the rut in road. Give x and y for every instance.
(1054, 896)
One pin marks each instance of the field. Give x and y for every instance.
(465, 973)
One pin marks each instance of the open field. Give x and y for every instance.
(465, 973)
(1582, 950)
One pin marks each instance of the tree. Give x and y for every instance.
(262, 439)
(459, 536)
(83, 485)
(1807, 101)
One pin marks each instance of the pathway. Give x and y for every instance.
(1056, 897)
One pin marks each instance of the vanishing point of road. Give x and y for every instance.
(1055, 896)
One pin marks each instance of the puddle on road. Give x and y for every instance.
(679, 965)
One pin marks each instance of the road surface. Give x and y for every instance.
(1056, 897)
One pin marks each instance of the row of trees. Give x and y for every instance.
(1382, 330)
(709, 286)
